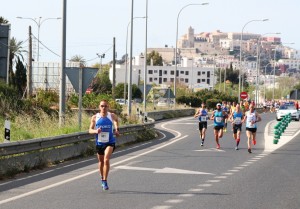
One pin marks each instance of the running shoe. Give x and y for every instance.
(104, 185)
(218, 146)
(249, 150)
(202, 143)
(254, 142)
(236, 148)
(225, 130)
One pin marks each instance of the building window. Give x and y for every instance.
(165, 72)
(208, 74)
(155, 79)
(181, 72)
(165, 80)
(150, 79)
(208, 81)
(155, 71)
(172, 72)
(203, 80)
(199, 73)
(172, 80)
(139, 71)
(198, 81)
(203, 72)
(181, 79)
(186, 72)
(186, 80)
(150, 71)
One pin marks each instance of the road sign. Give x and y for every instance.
(244, 95)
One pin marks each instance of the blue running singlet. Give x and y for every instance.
(218, 118)
(106, 125)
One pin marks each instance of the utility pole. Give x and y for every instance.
(114, 68)
(29, 68)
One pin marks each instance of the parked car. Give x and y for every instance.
(121, 101)
(286, 109)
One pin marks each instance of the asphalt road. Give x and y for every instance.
(173, 172)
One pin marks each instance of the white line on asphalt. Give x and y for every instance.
(233, 170)
(228, 174)
(186, 195)
(162, 207)
(213, 181)
(195, 190)
(238, 168)
(220, 177)
(174, 201)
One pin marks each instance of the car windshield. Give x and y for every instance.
(287, 107)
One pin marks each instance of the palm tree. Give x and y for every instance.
(80, 59)
(15, 54)
(3, 20)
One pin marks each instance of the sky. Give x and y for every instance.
(92, 24)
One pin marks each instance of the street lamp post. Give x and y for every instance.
(241, 52)
(101, 56)
(265, 81)
(145, 61)
(126, 59)
(258, 66)
(177, 39)
(39, 23)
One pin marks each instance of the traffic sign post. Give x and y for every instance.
(243, 95)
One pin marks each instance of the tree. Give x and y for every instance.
(157, 59)
(15, 56)
(20, 77)
(101, 84)
(80, 59)
(3, 20)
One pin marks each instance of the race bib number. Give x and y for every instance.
(238, 120)
(250, 121)
(219, 119)
(103, 137)
(203, 118)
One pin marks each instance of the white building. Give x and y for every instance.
(198, 76)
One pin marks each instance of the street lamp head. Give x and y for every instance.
(205, 3)
(265, 20)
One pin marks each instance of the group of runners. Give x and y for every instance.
(104, 125)
(236, 114)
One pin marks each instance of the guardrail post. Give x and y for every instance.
(7, 130)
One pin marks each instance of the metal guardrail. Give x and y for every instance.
(49, 142)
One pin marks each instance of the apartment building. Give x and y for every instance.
(200, 76)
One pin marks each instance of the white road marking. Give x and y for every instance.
(163, 170)
(233, 170)
(213, 181)
(228, 174)
(205, 185)
(210, 150)
(238, 168)
(220, 177)
(186, 195)
(174, 201)
(162, 207)
(195, 190)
